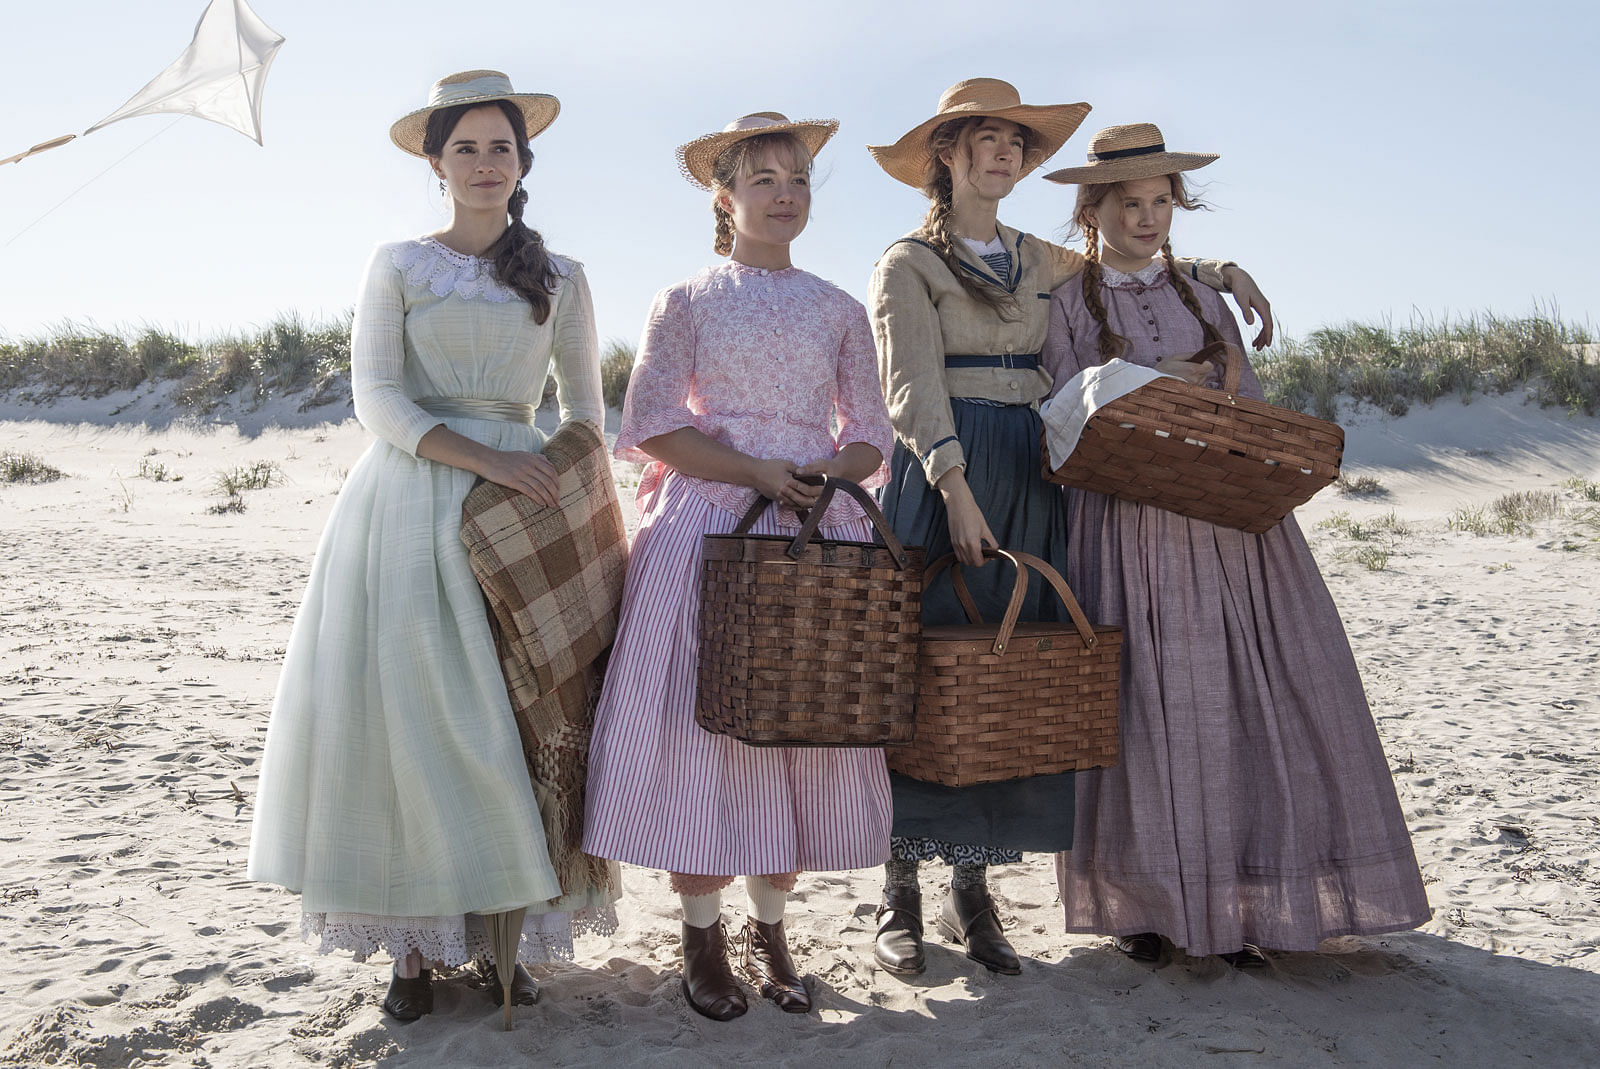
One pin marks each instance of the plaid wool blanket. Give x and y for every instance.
(552, 578)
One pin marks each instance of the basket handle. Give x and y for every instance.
(1231, 359)
(1019, 592)
(812, 517)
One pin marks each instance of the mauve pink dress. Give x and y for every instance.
(1252, 802)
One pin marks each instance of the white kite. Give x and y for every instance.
(218, 77)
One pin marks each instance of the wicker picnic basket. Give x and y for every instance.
(1206, 453)
(998, 702)
(807, 641)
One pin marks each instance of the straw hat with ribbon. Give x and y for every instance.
(1128, 153)
(907, 159)
(698, 158)
(472, 87)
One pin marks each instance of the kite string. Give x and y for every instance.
(95, 179)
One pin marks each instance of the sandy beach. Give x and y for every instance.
(143, 616)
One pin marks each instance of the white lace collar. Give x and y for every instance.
(428, 262)
(992, 247)
(1148, 275)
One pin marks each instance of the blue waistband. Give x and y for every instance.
(1014, 361)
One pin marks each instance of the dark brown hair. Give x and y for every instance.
(939, 188)
(1111, 343)
(521, 262)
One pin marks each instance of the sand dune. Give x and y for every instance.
(140, 637)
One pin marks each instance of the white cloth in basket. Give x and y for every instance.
(1067, 412)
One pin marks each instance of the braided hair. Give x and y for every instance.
(520, 260)
(741, 158)
(937, 229)
(1110, 343)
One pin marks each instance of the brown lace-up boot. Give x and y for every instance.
(708, 982)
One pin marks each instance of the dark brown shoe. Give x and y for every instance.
(768, 965)
(708, 982)
(411, 998)
(1146, 946)
(899, 945)
(524, 988)
(969, 918)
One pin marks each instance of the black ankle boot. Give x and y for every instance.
(524, 988)
(899, 945)
(411, 998)
(1146, 946)
(969, 918)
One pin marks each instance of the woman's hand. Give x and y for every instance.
(969, 531)
(528, 473)
(1251, 301)
(775, 479)
(855, 462)
(1192, 373)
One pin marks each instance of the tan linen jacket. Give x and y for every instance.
(921, 314)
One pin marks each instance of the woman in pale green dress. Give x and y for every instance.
(394, 795)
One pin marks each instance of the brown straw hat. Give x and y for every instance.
(907, 159)
(1126, 153)
(698, 158)
(473, 87)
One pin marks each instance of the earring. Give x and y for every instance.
(518, 189)
(442, 186)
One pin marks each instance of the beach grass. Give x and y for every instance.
(1582, 489)
(1510, 514)
(1393, 367)
(234, 481)
(1378, 536)
(1388, 526)
(1389, 366)
(287, 356)
(156, 471)
(1358, 486)
(616, 365)
(26, 468)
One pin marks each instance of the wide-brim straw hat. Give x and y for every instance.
(698, 158)
(539, 110)
(907, 159)
(1128, 153)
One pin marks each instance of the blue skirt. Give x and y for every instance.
(1001, 444)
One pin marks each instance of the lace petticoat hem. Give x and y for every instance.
(452, 941)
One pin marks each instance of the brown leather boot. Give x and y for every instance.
(969, 918)
(708, 982)
(768, 965)
(898, 948)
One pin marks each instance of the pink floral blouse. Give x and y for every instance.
(775, 364)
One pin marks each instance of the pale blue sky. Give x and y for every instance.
(1376, 157)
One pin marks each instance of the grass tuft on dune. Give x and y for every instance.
(1427, 360)
(1375, 362)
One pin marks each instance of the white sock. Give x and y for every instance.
(702, 911)
(766, 901)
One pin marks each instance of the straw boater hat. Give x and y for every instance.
(473, 87)
(698, 158)
(1127, 153)
(907, 159)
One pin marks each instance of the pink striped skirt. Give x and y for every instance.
(666, 794)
